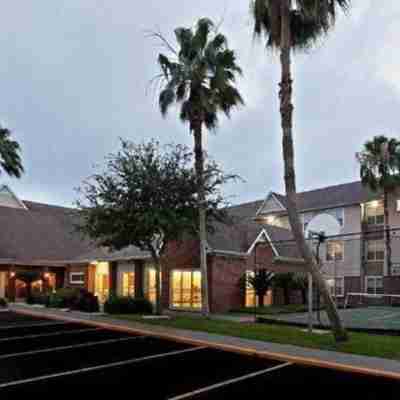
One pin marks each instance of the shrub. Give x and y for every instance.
(38, 298)
(85, 301)
(3, 303)
(127, 305)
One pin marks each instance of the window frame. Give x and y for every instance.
(375, 259)
(368, 206)
(334, 259)
(375, 278)
(77, 282)
(171, 289)
(123, 286)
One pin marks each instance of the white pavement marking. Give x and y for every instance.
(100, 367)
(69, 347)
(33, 325)
(8, 339)
(229, 382)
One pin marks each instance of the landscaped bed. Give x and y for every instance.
(273, 310)
(359, 343)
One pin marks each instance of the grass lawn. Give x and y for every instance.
(359, 343)
(273, 310)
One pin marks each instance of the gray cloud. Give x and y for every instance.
(74, 76)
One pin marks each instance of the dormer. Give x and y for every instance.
(9, 199)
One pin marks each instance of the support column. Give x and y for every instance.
(113, 278)
(310, 303)
(11, 285)
(139, 278)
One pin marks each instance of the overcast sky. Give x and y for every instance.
(74, 74)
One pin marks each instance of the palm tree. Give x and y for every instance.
(200, 78)
(295, 25)
(10, 160)
(260, 281)
(380, 171)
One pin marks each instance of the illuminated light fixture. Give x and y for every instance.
(270, 219)
(12, 274)
(374, 204)
(46, 275)
(398, 205)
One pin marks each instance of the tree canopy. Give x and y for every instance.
(10, 160)
(200, 76)
(309, 20)
(147, 196)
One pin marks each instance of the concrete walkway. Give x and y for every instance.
(300, 355)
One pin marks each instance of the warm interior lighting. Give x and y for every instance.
(46, 275)
(12, 274)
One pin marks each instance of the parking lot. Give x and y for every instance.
(41, 355)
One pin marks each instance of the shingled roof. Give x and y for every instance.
(330, 197)
(43, 234)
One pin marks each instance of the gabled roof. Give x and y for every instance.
(9, 199)
(329, 197)
(42, 233)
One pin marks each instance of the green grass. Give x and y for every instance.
(273, 310)
(359, 343)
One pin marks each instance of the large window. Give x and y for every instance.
(374, 213)
(339, 286)
(374, 284)
(251, 299)
(150, 284)
(334, 251)
(77, 278)
(186, 289)
(375, 250)
(128, 284)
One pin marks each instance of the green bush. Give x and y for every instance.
(127, 305)
(38, 298)
(75, 299)
(3, 303)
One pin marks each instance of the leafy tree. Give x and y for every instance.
(300, 282)
(260, 281)
(287, 26)
(10, 160)
(380, 171)
(285, 282)
(200, 78)
(147, 197)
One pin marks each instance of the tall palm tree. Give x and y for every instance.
(295, 25)
(380, 171)
(200, 78)
(10, 160)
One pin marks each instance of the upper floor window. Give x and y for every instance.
(334, 251)
(374, 214)
(375, 250)
(374, 284)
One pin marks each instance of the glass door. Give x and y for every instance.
(102, 282)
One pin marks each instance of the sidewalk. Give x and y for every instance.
(300, 355)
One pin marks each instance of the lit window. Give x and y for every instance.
(186, 289)
(77, 278)
(334, 251)
(374, 284)
(128, 284)
(374, 213)
(150, 284)
(375, 250)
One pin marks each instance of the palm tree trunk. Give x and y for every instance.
(261, 300)
(199, 166)
(387, 233)
(286, 109)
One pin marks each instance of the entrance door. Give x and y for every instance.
(150, 284)
(2, 285)
(102, 281)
